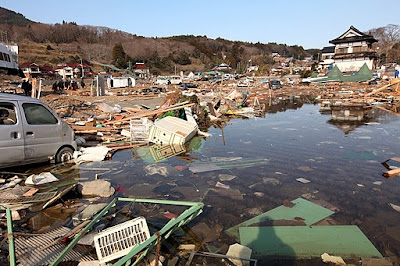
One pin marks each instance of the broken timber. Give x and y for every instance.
(381, 88)
(151, 113)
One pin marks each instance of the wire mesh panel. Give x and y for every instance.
(118, 240)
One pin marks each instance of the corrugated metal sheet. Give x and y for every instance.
(43, 249)
(39, 197)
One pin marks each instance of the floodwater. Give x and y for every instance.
(260, 160)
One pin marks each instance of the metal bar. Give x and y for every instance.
(166, 202)
(166, 230)
(11, 247)
(83, 232)
(222, 256)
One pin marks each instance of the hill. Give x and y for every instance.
(9, 17)
(69, 42)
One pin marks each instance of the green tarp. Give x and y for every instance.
(335, 74)
(306, 242)
(362, 75)
(310, 212)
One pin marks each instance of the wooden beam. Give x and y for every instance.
(381, 88)
(150, 113)
(91, 129)
(392, 173)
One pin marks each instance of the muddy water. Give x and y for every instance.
(266, 156)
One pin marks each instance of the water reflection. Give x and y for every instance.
(348, 118)
(157, 153)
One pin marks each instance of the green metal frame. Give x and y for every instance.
(185, 217)
(11, 247)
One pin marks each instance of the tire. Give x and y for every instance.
(64, 155)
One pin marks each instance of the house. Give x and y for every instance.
(326, 58)
(353, 49)
(30, 69)
(64, 71)
(46, 70)
(141, 70)
(73, 70)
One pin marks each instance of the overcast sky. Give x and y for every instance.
(310, 24)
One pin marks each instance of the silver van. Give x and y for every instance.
(31, 132)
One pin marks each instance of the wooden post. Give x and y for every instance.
(33, 94)
(40, 88)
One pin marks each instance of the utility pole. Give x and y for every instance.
(83, 72)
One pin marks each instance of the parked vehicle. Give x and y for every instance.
(275, 84)
(120, 82)
(31, 132)
(175, 80)
(186, 85)
(162, 80)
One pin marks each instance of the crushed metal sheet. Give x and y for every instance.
(306, 242)
(39, 197)
(36, 250)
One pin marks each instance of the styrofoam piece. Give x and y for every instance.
(172, 130)
(40, 179)
(117, 241)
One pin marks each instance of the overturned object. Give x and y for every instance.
(117, 241)
(172, 130)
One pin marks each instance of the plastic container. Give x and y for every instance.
(117, 241)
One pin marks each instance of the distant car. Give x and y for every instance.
(175, 80)
(186, 85)
(161, 80)
(275, 84)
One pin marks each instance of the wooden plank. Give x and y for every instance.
(125, 146)
(151, 113)
(392, 173)
(381, 88)
(97, 129)
(384, 109)
(397, 159)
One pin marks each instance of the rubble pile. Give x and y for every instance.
(85, 213)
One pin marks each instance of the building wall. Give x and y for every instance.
(353, 64)
(352, 47)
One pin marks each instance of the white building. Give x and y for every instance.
(326, 57)
(353, 49)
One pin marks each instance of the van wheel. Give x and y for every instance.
(64, 155)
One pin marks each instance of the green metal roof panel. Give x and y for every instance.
(306, 242)
(310, 212)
